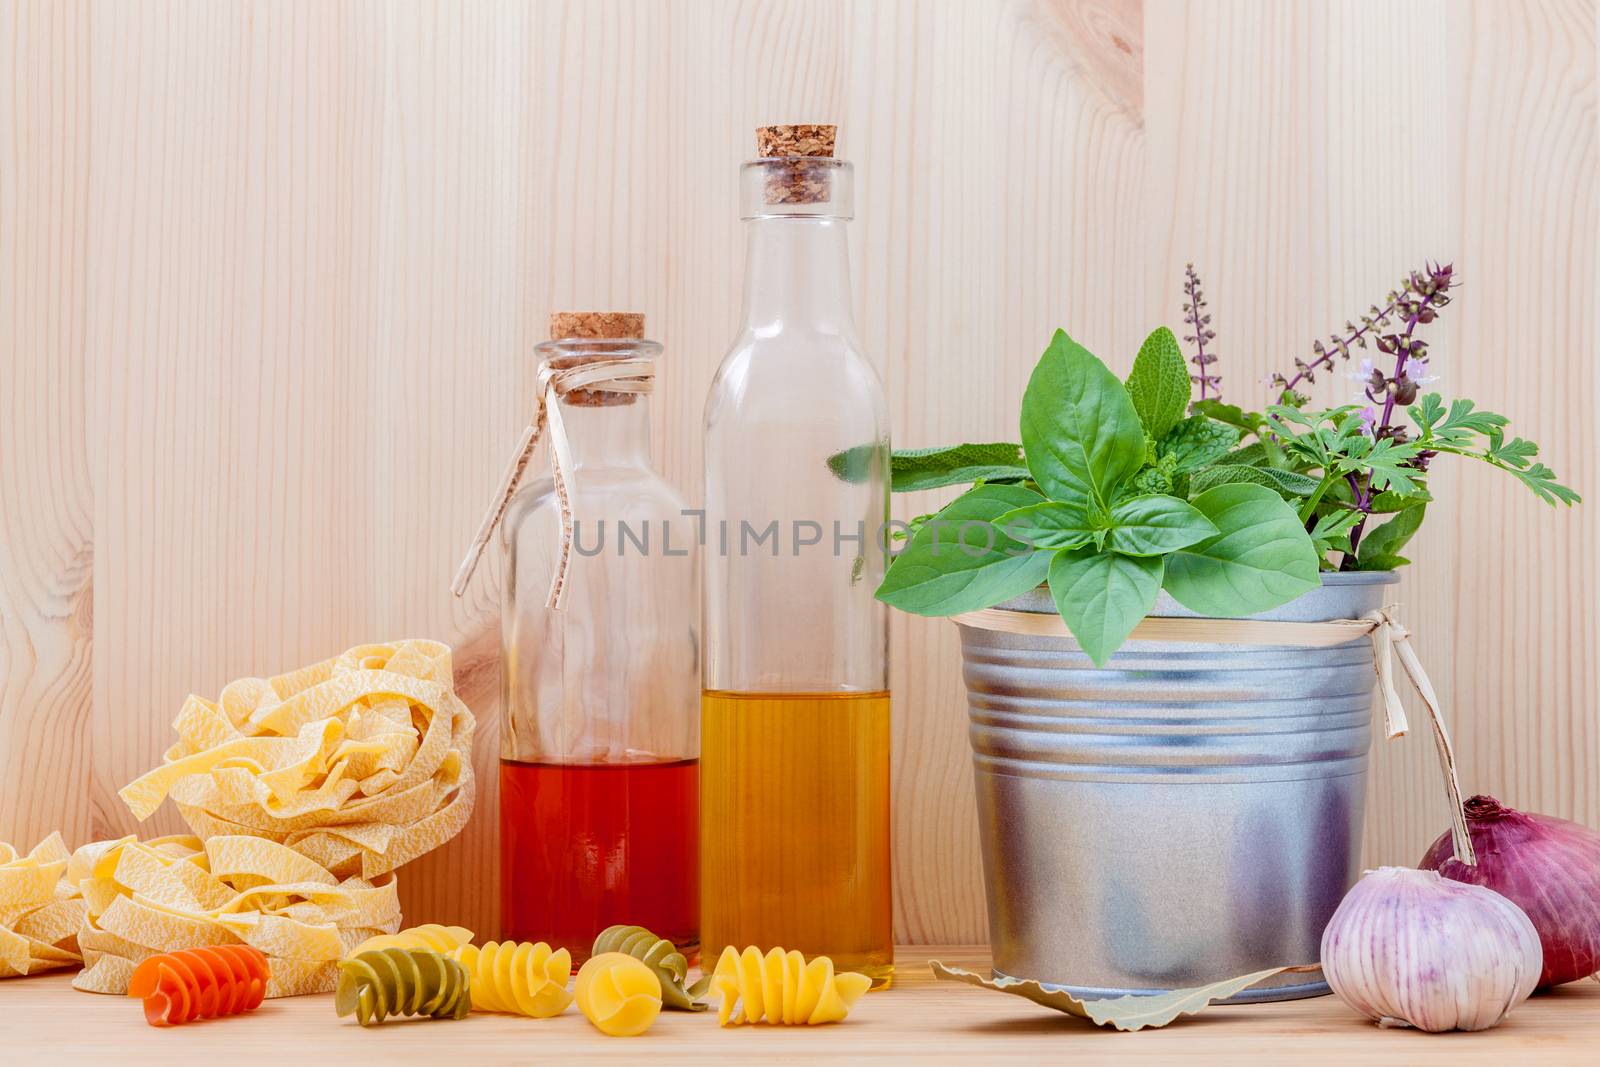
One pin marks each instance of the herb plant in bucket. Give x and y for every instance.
(1120, 489)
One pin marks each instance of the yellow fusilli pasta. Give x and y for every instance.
(523, 978)
(781, 987)
(618, 994)
(429, 935)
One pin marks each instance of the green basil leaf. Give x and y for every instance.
(1102, 596)
(1159, 383)
(1195, 442)
(1053, 524)
(957, 561)
(1155, 525)
(1232, 414)
(1080, 432)
(1381, 563)
(933, 468)
(1260, 557)
(1391, 537)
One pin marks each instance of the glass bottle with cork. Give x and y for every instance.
(599, 770)
(795, 847)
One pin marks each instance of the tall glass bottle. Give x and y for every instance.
(795, 702)
(599, 771)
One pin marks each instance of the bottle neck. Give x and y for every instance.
(610, 435)
(797, 275)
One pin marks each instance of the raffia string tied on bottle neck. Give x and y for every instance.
(586, 379)
(1389, 639)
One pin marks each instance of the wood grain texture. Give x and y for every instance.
(46, 494)
(919, 1018)
(271, 274)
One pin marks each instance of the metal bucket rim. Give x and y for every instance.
(1307, 607)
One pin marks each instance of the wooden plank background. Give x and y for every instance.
(271, 274)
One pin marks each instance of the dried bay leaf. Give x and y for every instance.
(1134, 1012)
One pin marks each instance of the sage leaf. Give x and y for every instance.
(1261, 556)
(1080, 433)
(1195, 442)
(1390, 538)
(934, 468)
(958, 561)
(1103, 595)
(1159, 383)
(1052, 524)
(1154, 525)
(1289, 484)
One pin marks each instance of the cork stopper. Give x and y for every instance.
(773, 142)
(794, 180)
(595, 326)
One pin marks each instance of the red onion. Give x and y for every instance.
(1548, 867)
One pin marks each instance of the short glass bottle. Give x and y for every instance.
(599, 772)
(795, 847)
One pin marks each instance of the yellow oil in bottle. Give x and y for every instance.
(794, 803)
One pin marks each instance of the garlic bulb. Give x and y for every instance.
(1408, 947)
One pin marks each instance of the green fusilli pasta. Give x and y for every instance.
(661, 956)
(379, 983)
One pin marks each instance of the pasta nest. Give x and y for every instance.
(362, 762)
(40, 912)
(146, 898)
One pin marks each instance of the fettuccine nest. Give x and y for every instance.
(39, 910)
(361, 763)
(149, 897)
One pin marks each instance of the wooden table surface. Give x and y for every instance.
(45, 1021)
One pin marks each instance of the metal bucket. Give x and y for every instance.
(1185, 814)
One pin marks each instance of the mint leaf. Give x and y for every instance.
(1052, 524)
(1159, 383)
(1391, 537)
(1149, 480)
(1154, 525)
(1102, 596)
(1260, 557)
(1080, 432)
(1196, 441)
(1288, 484)
(933, 468)
(957, 561)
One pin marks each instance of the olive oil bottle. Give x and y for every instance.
(795, 731)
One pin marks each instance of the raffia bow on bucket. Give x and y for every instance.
(613, 376)
(1389, 638)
